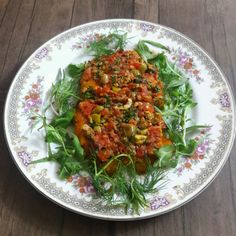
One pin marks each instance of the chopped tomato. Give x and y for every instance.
(104, 154)
(87, 74)
(126, 94)
(104, 112)
(137, 65)
(102, 91)
(86, 107)
(147, 107)
(154, 134)
(151, 79)
(140, 151)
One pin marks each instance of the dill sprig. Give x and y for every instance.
(64, 93)
(124, 187)
(107, 45)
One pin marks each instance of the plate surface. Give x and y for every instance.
(211, 91)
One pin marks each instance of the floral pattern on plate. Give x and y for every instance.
(188, 163)
(32, 102)
(197, 171)
(185, 61)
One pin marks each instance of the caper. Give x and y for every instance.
(104, 79)
(143, 67)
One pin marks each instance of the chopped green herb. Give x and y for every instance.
(107, 45)
(144, 51)
(129, 114)
(89, 93)
(124, 183)
(138, 79)
(108, 101)
(75, 71)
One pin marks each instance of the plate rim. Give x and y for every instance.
(126, 217)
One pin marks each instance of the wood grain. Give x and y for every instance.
(25, 25)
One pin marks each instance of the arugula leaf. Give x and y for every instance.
(189, 149)
(54, 135)
(144, 51)
(79, 151)
(166, 157)
(156, 44)
(176, 83)
(160, 61)
(41, 160)
(125, 182)
(63, 120)
(194, 128)
(69, 168)
(107, 45)
(75, 71)
(63, 95)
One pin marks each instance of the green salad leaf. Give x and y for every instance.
(124, 187)
(107, 45)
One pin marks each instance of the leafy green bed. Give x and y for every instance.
(125, 187)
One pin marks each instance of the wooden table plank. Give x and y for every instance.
(146, 10)
(22, 209)
(229, 18)
(3, 9)
(7, 26)
(16, 44)
(206, 213)
(86, 11)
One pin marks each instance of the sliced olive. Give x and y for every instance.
(143, 67)
(128, 129)
(140, 138)
(98, 109)
(104, 79)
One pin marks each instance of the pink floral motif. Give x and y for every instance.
(25, 157)
(147, 27)
(42, 53)
(85, 41)
(224, 99)
(186, 62)
(82, 183)
(32, 100)
(186, 163)
(158, 202)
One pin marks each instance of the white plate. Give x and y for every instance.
(192, 175)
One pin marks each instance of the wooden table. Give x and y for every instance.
(25, 25)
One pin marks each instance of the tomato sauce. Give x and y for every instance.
(116, 114)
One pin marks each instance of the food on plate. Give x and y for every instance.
(122, 117)
(116, 113)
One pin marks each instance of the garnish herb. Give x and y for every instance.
(124, 187)
(129, 114)
(107, 45)
(144, 51)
